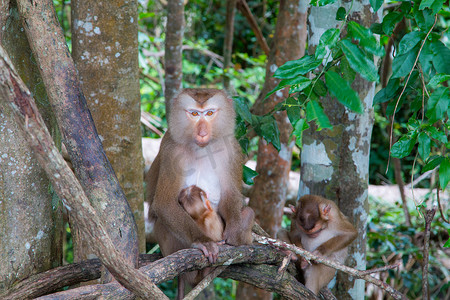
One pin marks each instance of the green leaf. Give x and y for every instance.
(390, 20)
(424, 18)
(359, 61)
(347, 72)
(438, 104)
(436, 134)
(320, 88)
(441, 59)
(365, 38)
(343, 92)
(248, 175)
(241, 107)
(321, 2)
(403, 146)
(435, 5)
(340, 14)
(244, 142)
(328, 39)
(377, 28)
(293, 110)
(388, 92)
(447, 243)
(300, 83)
(297, 67)
(315, 112)
(409, 41)
(438, 78)
(403, 64)
(299, 127)
(376, 4)
(432, 164)
(444, 173)
(424, 145)
(267, 128)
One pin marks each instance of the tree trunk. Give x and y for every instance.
(335, 163)
(31, 228)
(105, 51)
(173, 49)
(91, 165)
(268, 195)
(228, 43)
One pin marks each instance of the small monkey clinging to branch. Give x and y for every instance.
(320, 227)
(199, 148)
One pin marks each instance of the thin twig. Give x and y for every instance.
(381, 269)
(309, 257)
(284, 264)
(403, 90)
(440, 206)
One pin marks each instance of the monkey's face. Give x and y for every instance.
(200, 116)
(308, 218)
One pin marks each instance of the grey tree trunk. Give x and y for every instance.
(335, 163)
(228, 43)
(31, 228)
(268, 195)
(105, 52)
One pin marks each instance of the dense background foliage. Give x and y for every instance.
(418, 95)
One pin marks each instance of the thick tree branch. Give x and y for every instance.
(14, 93)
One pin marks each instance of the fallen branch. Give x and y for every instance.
(311, 257)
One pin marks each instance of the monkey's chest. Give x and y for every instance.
(207, 179)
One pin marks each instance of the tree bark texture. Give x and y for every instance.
(77, 127)
(14, 93)
(268, 195)
(173, 49)
(105, 52)
(228, 43)
(31, 228)
(335, 163)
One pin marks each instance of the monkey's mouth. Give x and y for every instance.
(314, 234)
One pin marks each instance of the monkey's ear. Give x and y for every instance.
(292, 207)
(325, 210)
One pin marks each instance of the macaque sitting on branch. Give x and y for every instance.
(319, 227)
(199, 148)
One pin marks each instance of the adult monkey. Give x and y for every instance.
(199, 149)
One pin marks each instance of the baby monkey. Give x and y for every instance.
(194, 200)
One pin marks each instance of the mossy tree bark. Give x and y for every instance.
(31, 228)
(335, 163)
(105, 52)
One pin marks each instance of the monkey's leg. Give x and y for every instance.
(317, 276)
(180, 290)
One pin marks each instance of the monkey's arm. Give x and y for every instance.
(346, 234)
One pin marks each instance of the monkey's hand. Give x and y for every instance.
(210, 249)
(234, 236)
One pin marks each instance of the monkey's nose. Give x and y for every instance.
(203, 133)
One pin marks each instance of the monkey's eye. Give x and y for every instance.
(209, 113)
(194, 113)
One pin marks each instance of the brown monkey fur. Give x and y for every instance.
(320, 227)
(198, 148)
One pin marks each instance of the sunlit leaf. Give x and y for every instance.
(340, 14)
(299, 127)
(435, 5)
(359, 61)
(376, 4)
(241, 107)
(343, 92)
(300, 83)
(328, 39)
(441, 59)
(438, 104)
(297, 67)
(315, 112)
(438, 78)
(432, 164)
(365, 38)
